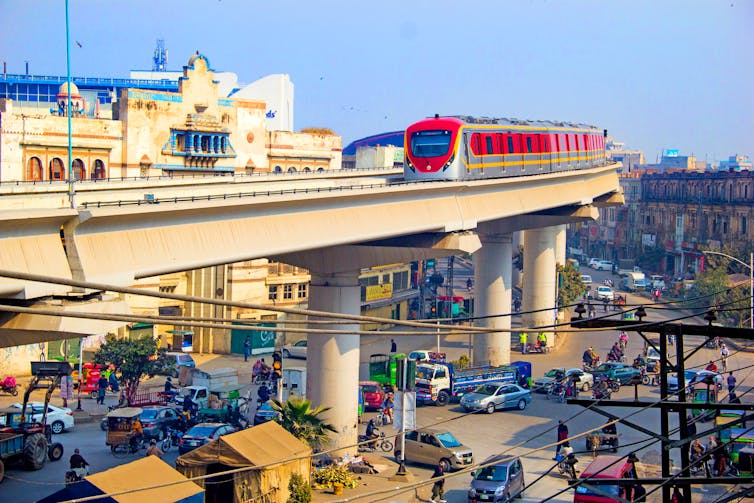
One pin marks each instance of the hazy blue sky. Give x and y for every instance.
(656, 74)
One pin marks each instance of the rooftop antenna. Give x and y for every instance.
(160, 58)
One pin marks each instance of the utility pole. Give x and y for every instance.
(449, 287)
(667, 406)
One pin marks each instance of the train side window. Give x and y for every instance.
(476, 147)
(528, 144)
(488, 142)
(511, 148)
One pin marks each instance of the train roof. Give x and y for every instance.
(505, 121)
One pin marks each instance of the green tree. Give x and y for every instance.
(570, 286)
(132, 359)
(713, 288)
(302, 421)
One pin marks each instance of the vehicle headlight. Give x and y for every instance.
(472, 493)
(499, 490)
(458, 455)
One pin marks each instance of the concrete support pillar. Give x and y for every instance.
(539, 280)
(560, 257)
(492, 280)
(332, 377)
(560, 244)
(518, 238)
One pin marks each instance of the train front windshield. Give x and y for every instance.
(432, 143)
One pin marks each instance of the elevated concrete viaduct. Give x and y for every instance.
(333, 233)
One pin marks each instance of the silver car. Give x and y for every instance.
(295, 350)
(584, 382)
(492, 397)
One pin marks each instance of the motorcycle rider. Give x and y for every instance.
(137, 434)
(78, 464)
(587, 357)
(569, 460)
(263, 394)
(372, 433)
(601, 389)
(170, 390)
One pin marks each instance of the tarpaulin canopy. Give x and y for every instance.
(144, 472)
(267, 444)
(261, 445)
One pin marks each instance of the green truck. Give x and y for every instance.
(383, 368)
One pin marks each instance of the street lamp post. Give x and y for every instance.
(750, 265)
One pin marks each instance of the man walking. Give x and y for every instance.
(724, 353)
(246, 348)
(731, 382)
(522, 338)
(562, 435)
(438, 488)
(101, 389)
(393, 346)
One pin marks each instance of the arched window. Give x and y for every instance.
(79, 172)
(291, 169)
(56, 169)
(34, 169)
(278, 169)
(307, 170)
(98, 173)
(320, 170)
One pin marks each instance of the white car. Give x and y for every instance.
(603, 265)
(605, 292)
(593, 262)
(60, 419)
(295, 350)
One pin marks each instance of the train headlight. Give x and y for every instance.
(450, 161)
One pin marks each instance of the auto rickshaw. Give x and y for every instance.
(726, 417)
(704, 393)
(119, 423)
(740, 439)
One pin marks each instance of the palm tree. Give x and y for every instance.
(302, 421)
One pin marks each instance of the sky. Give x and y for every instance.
(656, 74)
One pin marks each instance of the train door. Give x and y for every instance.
(466, 139)
(530, 148)
(513, 151)
(544, 152)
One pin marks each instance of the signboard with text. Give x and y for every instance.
(377, 292)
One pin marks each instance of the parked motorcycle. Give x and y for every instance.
(9, 385)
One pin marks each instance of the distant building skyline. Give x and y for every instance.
(656, 75)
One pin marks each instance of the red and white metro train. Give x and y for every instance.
(468, 148)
